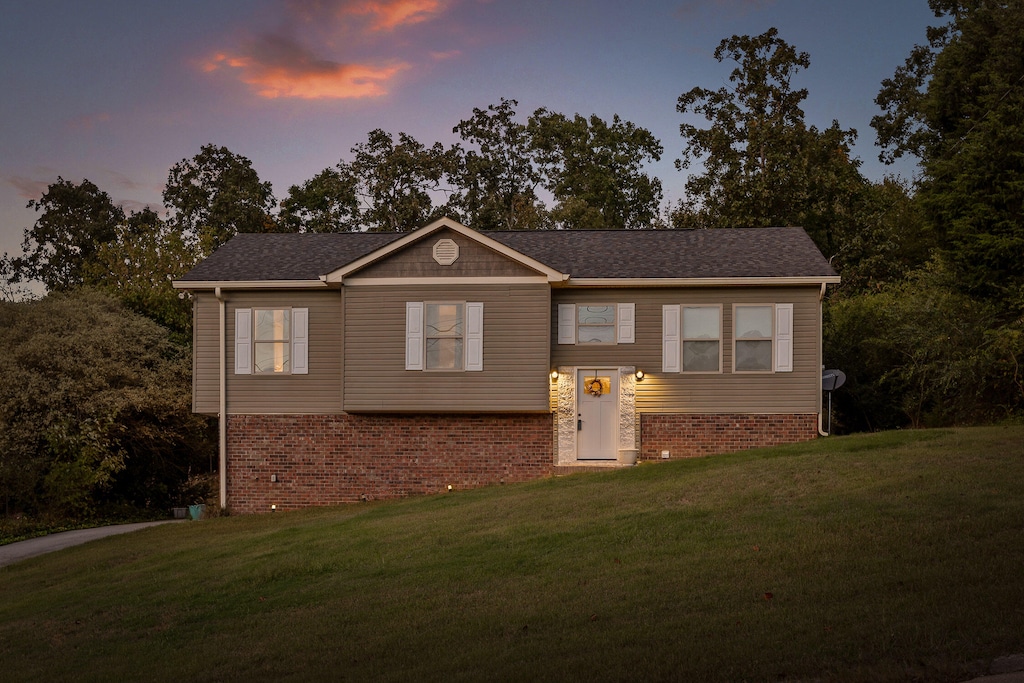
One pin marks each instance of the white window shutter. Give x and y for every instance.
(670, 338)
(566, 323)
(474, 336)
(300, 341)
(783, 337)
(243, 341)
(626, 323)
(414, 335)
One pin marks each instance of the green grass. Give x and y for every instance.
(895, 556)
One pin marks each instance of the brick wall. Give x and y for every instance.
(331, 459)
(686, 436)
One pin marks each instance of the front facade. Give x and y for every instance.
(361, 366)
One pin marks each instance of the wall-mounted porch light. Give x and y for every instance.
(639, 375)
(554, 375)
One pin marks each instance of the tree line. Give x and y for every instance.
(928, 322)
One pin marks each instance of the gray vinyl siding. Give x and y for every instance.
(205, 363)
(418, 261)
(515, 352)
(318, 392)
(728, 392)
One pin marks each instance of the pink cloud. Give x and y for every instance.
(29, 188)
(383, 15)
(276, 66)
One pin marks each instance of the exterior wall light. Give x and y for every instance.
(554, 375)
(639, 375)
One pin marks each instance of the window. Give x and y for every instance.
(444, 335)
(691, 338)
(271, 341)
(702, 339)
(596, 323)
(753, 334)
(763, 338)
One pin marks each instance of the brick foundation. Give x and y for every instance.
(686, 436)
(331, 459)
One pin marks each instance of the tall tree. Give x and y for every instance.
(957, 104)
(215, 195)
(762, 164)
(395, 181)
(74, 222)
(138, 265)
(496, 176)
(326, 203)
(594, 170)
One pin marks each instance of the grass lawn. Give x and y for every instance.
(886, 557)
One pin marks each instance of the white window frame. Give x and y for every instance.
(781, 339)
(623, 326)
(416, 337)
(245, 341)
(684, 338)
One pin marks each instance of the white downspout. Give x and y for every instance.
(222, 440)
(821, 364)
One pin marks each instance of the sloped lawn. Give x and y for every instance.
(896, 556)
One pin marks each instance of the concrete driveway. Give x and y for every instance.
(22, 550)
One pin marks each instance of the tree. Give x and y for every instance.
(326, 203)
(394, 182)
(762, 164)
(138, 265)
(957, 104)
(496, 176)
(593, 170)
(74, 222)
(215, 195)
(93, 396)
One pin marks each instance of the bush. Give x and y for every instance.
(919, 353)
(95, 408)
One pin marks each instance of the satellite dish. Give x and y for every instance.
(832, 380)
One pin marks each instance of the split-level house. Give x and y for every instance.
(359, 366)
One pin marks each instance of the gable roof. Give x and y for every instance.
(740, 255)
(674, 254)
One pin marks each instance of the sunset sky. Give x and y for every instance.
(117, 91)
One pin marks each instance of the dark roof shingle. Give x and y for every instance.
(617, 254)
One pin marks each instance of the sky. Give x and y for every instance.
(117, 91)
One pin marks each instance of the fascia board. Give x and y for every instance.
(249, 284)
(449, 281)
(701, 282)
(550, 273)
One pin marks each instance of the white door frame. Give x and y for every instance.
(566, 412)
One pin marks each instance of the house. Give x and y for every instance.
(360, 366)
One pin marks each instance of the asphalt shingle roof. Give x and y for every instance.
(722, 253)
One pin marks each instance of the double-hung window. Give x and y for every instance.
(444, 331)
(702, 339)
(763, 338)
(271, 341)
(596, 323)
(444, 335)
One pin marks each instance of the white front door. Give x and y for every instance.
(597, 404)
